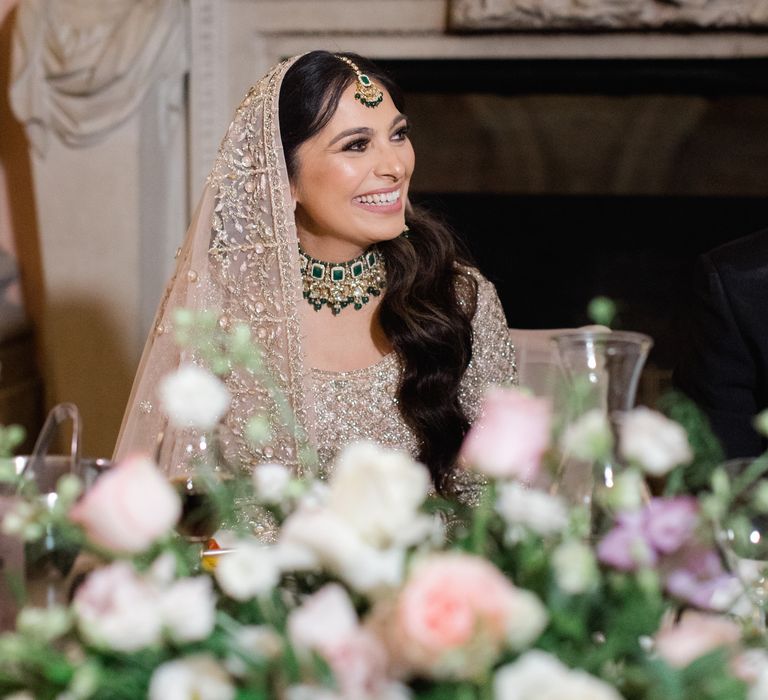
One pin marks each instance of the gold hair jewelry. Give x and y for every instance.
(365, 89)
(338, 285)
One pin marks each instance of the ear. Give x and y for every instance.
(294, 197)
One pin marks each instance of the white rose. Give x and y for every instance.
(193, 398)
(628, 492)
(537, 675)
(116, 609)
(526, 620)
(327, 624)
(250, 571)
(378, 492)
(198, 677)
(575, 567)
(310, 692)
(325, 619)
(188, 609)
(44, 624)
(759, 691)
(253, 642)
(653, 441)
(317, 538)
(538, 511)
(270, 481)
(588, 438)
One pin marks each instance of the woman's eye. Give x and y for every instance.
(402, 133)
(357, 145)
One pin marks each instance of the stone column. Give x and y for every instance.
(108, 160)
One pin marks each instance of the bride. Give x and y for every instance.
(370, 320)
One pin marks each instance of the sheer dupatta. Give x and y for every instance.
(240, 258)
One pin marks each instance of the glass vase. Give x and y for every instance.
(602, 370)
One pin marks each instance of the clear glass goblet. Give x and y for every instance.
(743, 533)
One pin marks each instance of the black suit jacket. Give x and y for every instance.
(724, 364)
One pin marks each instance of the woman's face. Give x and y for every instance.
(351, 183)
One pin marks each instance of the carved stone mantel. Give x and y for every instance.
(233, 42)
(615, 15)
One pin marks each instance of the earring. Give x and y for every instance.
(406, 232)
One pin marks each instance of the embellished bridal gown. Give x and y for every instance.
(240, 257)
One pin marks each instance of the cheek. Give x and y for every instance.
(409, 159)
(337, 180)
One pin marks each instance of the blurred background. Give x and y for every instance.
(578, 149)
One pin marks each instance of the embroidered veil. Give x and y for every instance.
(239, 257)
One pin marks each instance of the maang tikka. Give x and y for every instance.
(366, 90)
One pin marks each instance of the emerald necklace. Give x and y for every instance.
(338, 285)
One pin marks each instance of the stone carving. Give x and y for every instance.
(81, 68)
(630, 15)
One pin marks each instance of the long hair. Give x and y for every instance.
(427, 309)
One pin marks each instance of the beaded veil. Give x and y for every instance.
(240, 257)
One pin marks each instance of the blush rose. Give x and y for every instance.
(511, 435)
(129, 507)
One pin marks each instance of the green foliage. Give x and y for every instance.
(707, 452)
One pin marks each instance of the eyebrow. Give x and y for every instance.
(364, 130)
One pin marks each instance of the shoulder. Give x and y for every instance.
(743, 255)
(475, 288)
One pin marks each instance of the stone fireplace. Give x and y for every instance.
(578, 152)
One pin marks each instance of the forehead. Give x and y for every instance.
(352, 114)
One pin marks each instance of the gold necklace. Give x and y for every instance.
(338, 285)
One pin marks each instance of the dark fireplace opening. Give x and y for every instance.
(569, 179)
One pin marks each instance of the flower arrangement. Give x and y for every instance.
(377, 589)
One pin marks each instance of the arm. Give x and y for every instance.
(493, 355)
(717, 369)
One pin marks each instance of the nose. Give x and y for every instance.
(390, 163)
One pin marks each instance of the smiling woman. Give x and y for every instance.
(370, 320)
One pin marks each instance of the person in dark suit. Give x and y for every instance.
(723, 366)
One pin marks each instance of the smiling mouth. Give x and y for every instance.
(379, 199)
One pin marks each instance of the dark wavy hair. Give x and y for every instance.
(427, 309)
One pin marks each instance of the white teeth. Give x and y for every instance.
(379, 198)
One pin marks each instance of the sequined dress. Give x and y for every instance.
(362, 404)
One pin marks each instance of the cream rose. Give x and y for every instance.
(192, 397)
(188, 609)
(129, 507)
(198, 677)
(117, 609)
(653, 441)
(540, 676)
(315, 537)
(536, 510)
(575, 567)
(326, 623)
(270, 482)
(378, 492)
(248, 572)
(589, 437)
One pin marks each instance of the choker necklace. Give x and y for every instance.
(338, 285)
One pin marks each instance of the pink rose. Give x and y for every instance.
(695, 635)
(457, 613)
(626, 547)
(327, 624)
(695, 574)
(129, 507)
(670, 522)
(510, 436)
(118, 609)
